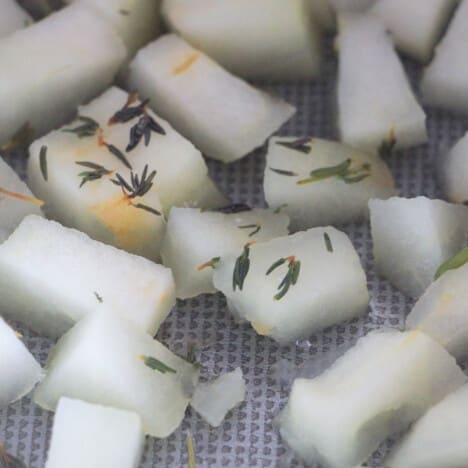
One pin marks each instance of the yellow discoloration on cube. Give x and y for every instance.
(262, 329)
(186, 64)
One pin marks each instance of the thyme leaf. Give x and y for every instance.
(241, 268)
(43, 162)
(302, 145)
(256, 228)
(138, 186)
(457, 261)
(156, 364)
(98, 297)
(291, 277)
(328, 243)
(118, 154)
(151, 210)
(343, 171)
(88, 129)
(143, 129)
(127, 113)
(210, 264)
(97, 172)
(283, 172)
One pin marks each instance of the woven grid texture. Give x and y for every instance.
(247, 438)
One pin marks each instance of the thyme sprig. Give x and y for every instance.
(97, 172)
(283, 172)
(114, 150)
(343, 171)
(87, 129)
(98, 297)
(241, 268)
(43, 162)
(156, 364)
(127, 113)
(291, 277)
(328, 242)
(457, 261)
(256, 228)
(209, 264)
(143, 129)
(301, 144)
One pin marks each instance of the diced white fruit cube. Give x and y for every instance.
(438, 438)
(105, 360)
(291, 287)
(442, 311)
(16, 201)
(351, 5)
(52, 276)
(213, 400)
(375, 101)
(12, 18)
(212, 235)
(377, 388)
(52, 66)
(413, 236)
(415, 26)
(244, 37)
(94, 436)
(444, 82)
(454, 172)
(295, 180)
(136, 21)
(99, 207)
(19, 370)
(223, 116)
(322, 13)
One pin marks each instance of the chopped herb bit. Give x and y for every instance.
(191, 458)
(210, 264)
(328, 243)
(291, 277)
(143, 128)
(234, 208)
(128, 113)
(342, 171)
(302, 145)
(20, 138)
(98, 297)
(138, 186)
(283, 172)
(457, 261)
(387, 146)
(97, 171)
(19, 196)
(156, 364)
(43, 162)
(280, 208)
(88, 129)
(148, 208)
(256, 228)
(241, 268)
(118, 154)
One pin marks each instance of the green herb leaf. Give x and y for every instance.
(302, 145)
(241, 268)
(88, 129)
(328, 243)
(457, 261)
(118, 154)
(291, 277)
(156, 364)
(143, 128)
(127, 113)
(97, 172)
(138, 186)
(98, 297)
(256, 228)
(343, 171)
(283, 172)
(43, 162)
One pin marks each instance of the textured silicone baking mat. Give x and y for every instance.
(247, 438)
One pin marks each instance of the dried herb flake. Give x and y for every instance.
(284, 172)
(241, 268)
(88, 129)
(328, 242)
(43, 162)
(457, 261)
(291, 277)
(156, 364)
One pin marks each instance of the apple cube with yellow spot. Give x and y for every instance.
(52, 276)
(225, 117)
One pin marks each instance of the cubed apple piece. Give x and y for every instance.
(442, 311)
(52, 66)
(415, 26)
(52, 276)
(444, 82)
(16, 201)
(105, 360)
(213, 400)
(388, 380)
(438, 439)
(244, 37)
(319, 182)
(85, 435)
(223, 116)
(12, 18)
(291, 287)
(213, 235)
(115, 135)
(413, 236)
(376, 105)
(19, 370)
(454, 172)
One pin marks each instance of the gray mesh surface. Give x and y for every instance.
(248, 437)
